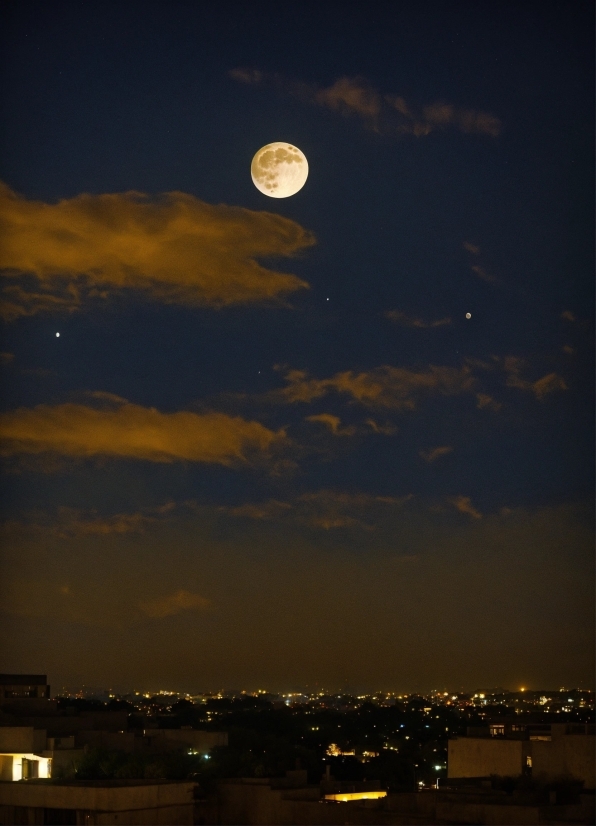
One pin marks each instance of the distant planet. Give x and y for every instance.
(468, 315)
(279, 170)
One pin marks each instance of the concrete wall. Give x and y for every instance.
(256, 804)
(483, 756)
(569, 754)
(125, 797)
(63, 760)
(165, 816)
(248, 803)
(23, 739)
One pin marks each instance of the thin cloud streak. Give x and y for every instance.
(387, 113)
(69, 523)
(409, 321)
(173, 604)
(434, 454)
(323, 509)
(485, 276)
(395, 388)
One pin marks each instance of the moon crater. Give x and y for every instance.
(279, 170)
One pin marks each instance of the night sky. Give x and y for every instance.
(268, 448)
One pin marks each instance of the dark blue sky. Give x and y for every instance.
(346, 452)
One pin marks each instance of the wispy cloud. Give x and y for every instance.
(333, 423)
(175, 603)
(386, 429)
(324, 509)
(480, 272)
(126, 430)
(567, 315)
(541, 388)
(464, 505)
(486, 402)
(548, 384)
(174, 248)
(388, 387)
(434, 454)
(388, 113)
(410, 321)
(6, 358)
(484, 276)
(67, 523)
(271, 509)
(104, 607)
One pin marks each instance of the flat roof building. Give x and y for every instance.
(97, 802)
(512, 749)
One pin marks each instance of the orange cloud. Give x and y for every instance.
(333, 423)
(390, 387)
(6, 358)
(174, 604)
(384, 429)
(351, 96)
(473, 248)
(246, 75)
(490, 279)
(464, 505)
(431, 455)
(174, 247)
(568, 315)
(548, 384)
(383, 112)
(407, 321)
(130, 431)
(466, 120)
(486, 401)
(541, 388)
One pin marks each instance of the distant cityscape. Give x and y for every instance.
(557, 701)
(240, 756)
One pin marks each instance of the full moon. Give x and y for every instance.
(279, 170)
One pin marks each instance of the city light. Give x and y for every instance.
(345, 797)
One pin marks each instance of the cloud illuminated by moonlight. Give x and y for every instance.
(386, 113)
(174, 247)
(129, 431)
